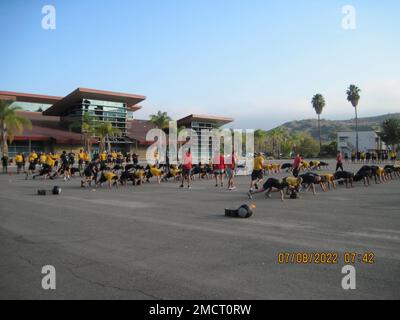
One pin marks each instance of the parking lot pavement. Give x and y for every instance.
(160, 242)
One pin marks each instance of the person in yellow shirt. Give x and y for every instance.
(175, 172)
(362, 157)
(268, 168)
(139, 176)
(81, 160)
(305, 165)
(276, 167)
(114, 157)
(380, 172)
(19, 160)
(293, 182)
(315, 165)
(33, 155)
(103, 156)
(393, 156)
(157, 173)
(276, 185)
(110, 178)
(50, 160)
(47, 166)
(257, 174)
(329, 180)
(33, 159)
(42, 158)
(86, 158)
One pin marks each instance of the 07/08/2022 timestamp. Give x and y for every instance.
(318, 258)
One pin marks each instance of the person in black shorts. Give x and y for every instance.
(272, 184)
(311, 179)
(257, 173)
(90, 173)
(65, 166)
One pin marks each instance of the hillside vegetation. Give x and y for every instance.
(329, 128)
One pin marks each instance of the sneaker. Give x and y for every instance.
(268, 195)
(189, 187)
(181, 186)
(250, 195)
(233, 188)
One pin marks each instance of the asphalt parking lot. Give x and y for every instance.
(160, 242)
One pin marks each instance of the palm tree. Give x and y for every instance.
(160, 120)
(318, 103)
(10, 124)
(277, 136)
(88, 129)
(353, 96)
(260, 137)
(104, 131)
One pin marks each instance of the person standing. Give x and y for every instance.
(19, 160)
(187, 168)
(219, 169)
(297, 165)
(230, 172)
(33, 158)
(339, 162)
(81, 161)
(4, 160)
(135, 159)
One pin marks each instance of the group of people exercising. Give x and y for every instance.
(115, 169)
(304, 178)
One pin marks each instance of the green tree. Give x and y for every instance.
(329, 150)
(289, 145)
(390, 133)
(353, 96)
(307, 145)
(277, 137)
(318, 103)
(10, 124)
(260, 137)
(88, 129)
(104, 131)
(160, 120)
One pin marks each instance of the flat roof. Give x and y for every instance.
(84, 93)
(204, 118)
(45, 128)
(138, 129)
(28, 97)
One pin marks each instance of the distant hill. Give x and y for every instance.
(329, 128)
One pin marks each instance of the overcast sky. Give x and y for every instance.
(259, 61)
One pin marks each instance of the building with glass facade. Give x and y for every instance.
(202, 125)
(53, 118)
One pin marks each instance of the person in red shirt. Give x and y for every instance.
(219, 169)
(187, 168)
(339, 162)
(296, 165)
